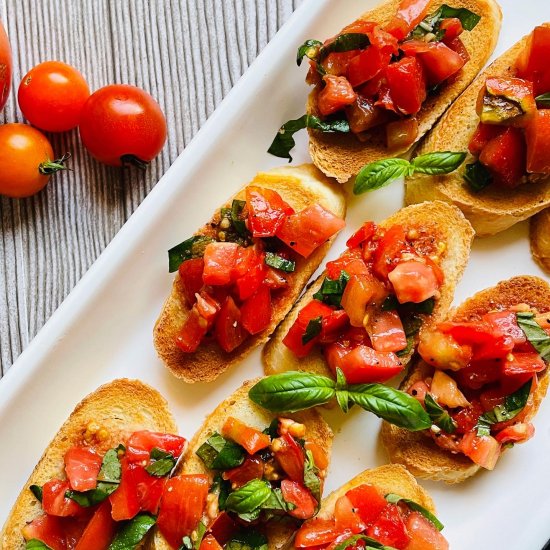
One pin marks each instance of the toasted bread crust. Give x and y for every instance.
(342, 155)
(445, 223)
(493, 209)
(539, 237)
(417, 451)
(121, 407)
(300, 186)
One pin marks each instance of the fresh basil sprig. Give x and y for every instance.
(35, 544)
(132, 532)
(295, 391)
(535, 334)
(477, 176)
(392, 498)
(248, 499)
(278, 262)
(310, 49)
(284, 140)
(382, 172)
(219, 453)
(440, 417)
(188, 249)
(370, 543)
(162, 463)
(543, 100)
(512, 406)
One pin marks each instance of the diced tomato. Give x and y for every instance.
(336, 63)
(82, 466)
(440, 62)
(484, 450)
(445, 391)
(249, 271)
(100, 531)
(389, 528)
(517, 433)
(301, 497)
(141, 443)
(492, 398)
(316, 532)
(505, 156)
(293, 339)
(251, 439)
(408, 16)
(467, 417)
(523, 363)
(210, 543)
(274, 279)
(401, 134)
(48, 529)
(54, 501)
(347, 516)
(383, 40)
(333, 325)
(256, 311)
(419, 390)
(365, 66)
(458, 46)
(251, 468)
(336, 94)
(407, 85)
(351, 261)
(305, 231)
(369, 502)
(537, 135)
(125, 500)
(506, 322)
(452, 27)
(533, 59)
(193, 331)
(266, 211)
(228, 329)
(223, 528)
(384, 96)
(413, 281)
(424, 534)
(364, 233)
(478, 374)
(361, 291)
(319, 455)
(385, 331)
(190, 273)
(219, 259)
(149, 489)
(182, 506)
(290, 457)
(390, 248)
(443, 351)
(364, 114)
(483, 135)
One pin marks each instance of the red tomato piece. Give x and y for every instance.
(210, 543)
(219, 259)
(336, 63)
(319, 455)
(141, 443)
(458, 46)
(54, 501)
(452, 27)
(251, 468)
(305, 231)
(443, 351)
(369, 502)
(301, 497)
(407, 85)
(336, 94)
(383, 40)
(413, 281)
(361, 292)
(182, 507)
(484, 450)
(533, 59)
(408, 16)
(266, 211)
(5, 67)
(537, 136)
(125, 500)
(82, 466)
(424, 534)
(385, 331)
(351, 261)
(333, 325)
(478, 374)
(256, 311)
(275, 279)
(251, 439)
(316, 532)
(347, 516)
(517, 433)
(249, 271)
(523, 363)
(228, 329)
(190, 273)
(466, 418)
(391, 246)
(368, 64)
(193, 331)
(440, 62)
(100, 531)
(419, 390)
(149, 489)
(389, 528)
(223, 528)
(483, 135)
(48, 529)
(364, 233)
(290, 457)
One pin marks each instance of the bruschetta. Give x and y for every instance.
(247, 475)
(363, 313)
(100, 480)
(539, 237)
(241, 273)
(383, 506)
(481, 377)
(503, 121)
(384, 80)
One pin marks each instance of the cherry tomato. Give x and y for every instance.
(122, 124)
(5, 67)
(27, 160)
(51, 96)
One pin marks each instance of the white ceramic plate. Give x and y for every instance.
(103, 330)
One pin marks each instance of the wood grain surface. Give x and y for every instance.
(186, 53)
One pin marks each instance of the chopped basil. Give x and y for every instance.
(247, 540)
(439, 416)
(222, 488)
(273, 429)
(394, 499)
(370, 543)
(201, 531)
(313, 329)
(534, 333)
(543, 100)
(219, 453)
(512, 406)
(247, 500)
(427, 306)
(132, 532)
(391, 303)
(188, 249)
(284, 140)
(276, 502)
(162, 463)
(35, 544)
(411, 326)
(432, 23)
(311, 477)
(310, 49)
(332, 289)
(238, 223)
(110, 467)
(36, 490)
(477, 176)
(344, 43)
(278, 262)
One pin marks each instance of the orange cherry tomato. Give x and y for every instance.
(51, 96)
(5, 66)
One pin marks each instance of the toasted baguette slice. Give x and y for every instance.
(445, 223)
(539, 236)
(342, 155)
(241, 407)
(119, 407)
(495, 208)
(417, 451)
(300, 186)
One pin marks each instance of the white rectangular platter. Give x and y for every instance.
(103, 330)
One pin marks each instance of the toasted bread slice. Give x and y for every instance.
(539, 236)
(417, 451)
(119, 407)
(300, 186)
(341, 156)
(439, 220)
(241, 407)
(495, 208)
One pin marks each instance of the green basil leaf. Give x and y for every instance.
(477, 176)
(219, 453)
(35, 544)
(276, 502)
(468, 18)
(132, 532)
(341, 390)
(238, 223)
(427, 306)
(188, 249)
(313, 329)
(278, 262)
(371, 544)
(332, 289)
(439, 416)
(247, 540)
(379, 174)
(311, 477)
(394, 406)
(310, 49)
(535, 334)
(292, 391)
(344, 43)
(390, 303)
(440, 162)
(284, 140)
(249, 497)
(411, 326)
(543, 100)
(201, 531)
(36, 490)
(273, 429)
(162, 463)
(394, 499)
(222, 488)
(111, 469)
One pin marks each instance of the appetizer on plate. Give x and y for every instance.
(247, 478)
(364, 313)
(539, 236)
(481, 377)
(240, 274)
(383, 81)
(383, 506)
(503, 120)
(99, 483)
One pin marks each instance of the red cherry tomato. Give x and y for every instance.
(52, 95)
(5, 67)
(122, 124)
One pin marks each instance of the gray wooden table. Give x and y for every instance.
(186, 53)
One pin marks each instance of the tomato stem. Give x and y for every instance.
(134, 161)
(50, 167)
